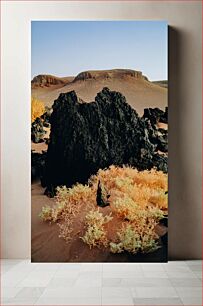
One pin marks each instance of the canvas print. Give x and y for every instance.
(99, 141)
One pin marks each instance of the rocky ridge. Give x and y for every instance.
(46, 80)
(109, 74)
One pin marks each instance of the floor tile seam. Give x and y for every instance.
(45, 286)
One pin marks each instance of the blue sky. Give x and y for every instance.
(65, 48)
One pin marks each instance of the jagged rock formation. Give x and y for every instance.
(37, 127)
(46, 116)
(157, 136)
(156, 115)
(37, 131)
(88, 136)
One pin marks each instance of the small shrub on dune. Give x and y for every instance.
(68, 205)
(73, 197)
(46, 214)
(66, 229)
(129, 210)
(128, 240)
(96, 217)
(135, 238)
(95, 234)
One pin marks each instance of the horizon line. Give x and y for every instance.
(65, 76)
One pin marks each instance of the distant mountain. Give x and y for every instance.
(47, 80)
(140, 93)
(162, 83)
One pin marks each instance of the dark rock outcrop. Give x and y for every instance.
(46, 116)
(37, 166)
(156, 115)
(37, 127)
(37, 131)
(88, 136)
(157, 136)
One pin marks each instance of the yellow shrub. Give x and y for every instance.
(127, 209)
(37, 108)
(138, 200)
(46, 214)
(133, 238)
(96, 217)
(160, 199)
(128, 240)
(95, 234)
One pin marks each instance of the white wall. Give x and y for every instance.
(184, 102)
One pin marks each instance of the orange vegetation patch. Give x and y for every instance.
(138, 200)
(37, 108)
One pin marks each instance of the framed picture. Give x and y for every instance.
(99, 141)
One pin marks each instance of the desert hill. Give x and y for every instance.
(47, 80)
(161, 83)
(138, 90)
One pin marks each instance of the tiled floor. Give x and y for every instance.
(174, 283)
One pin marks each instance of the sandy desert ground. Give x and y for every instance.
(48, 247)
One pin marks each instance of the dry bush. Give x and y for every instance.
(137, 198)
(133, 239)
(95, 234)
(37, 108)
(129, 210)
(46, 214)
(68, 205)
(143, 187)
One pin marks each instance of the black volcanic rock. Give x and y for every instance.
(37, 127)
(157, 136)
(88, 136)
(156, 115)
(37, 131)
(37, 165)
